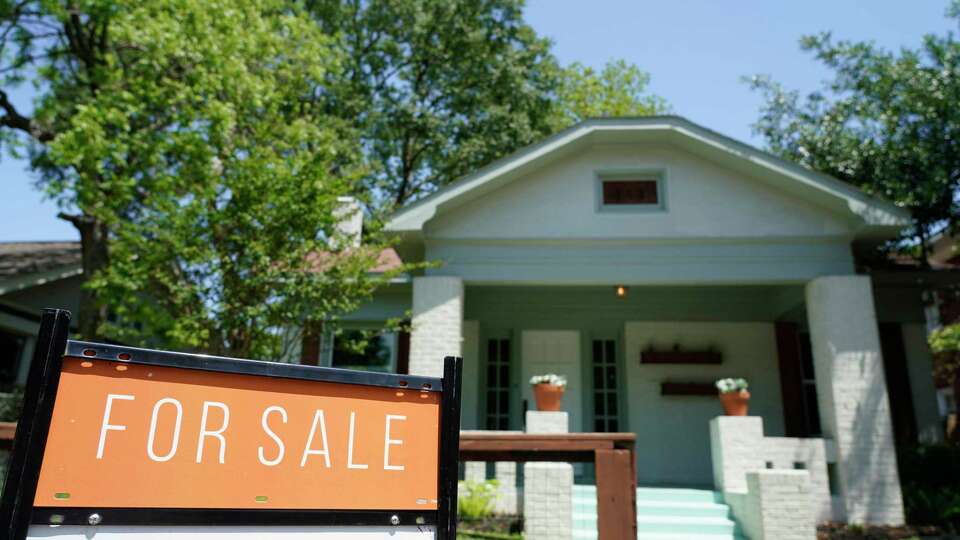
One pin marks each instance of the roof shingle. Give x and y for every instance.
(18, 258)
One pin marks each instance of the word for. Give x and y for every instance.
(270, 457)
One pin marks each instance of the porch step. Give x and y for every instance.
(678, 495)
(663, 513)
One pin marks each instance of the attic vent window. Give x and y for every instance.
(631, 192)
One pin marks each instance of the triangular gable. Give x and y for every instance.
(874, 216)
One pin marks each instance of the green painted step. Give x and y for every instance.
(675, 524)
(678, 495)
(684, 509)
(686, 536)
(663, 513)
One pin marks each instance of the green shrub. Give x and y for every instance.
(930, 478)
(475, 499)
(11, 404)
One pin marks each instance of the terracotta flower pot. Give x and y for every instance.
(735, 403)
(548, 396)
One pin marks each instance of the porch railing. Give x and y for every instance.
(611, 453)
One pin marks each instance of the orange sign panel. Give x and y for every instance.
(140, 436)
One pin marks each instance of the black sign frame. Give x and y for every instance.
(17, 512)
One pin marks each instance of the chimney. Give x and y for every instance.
(349, 220)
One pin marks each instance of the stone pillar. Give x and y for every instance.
(777, 506)
(505, 472)
(437, 323)
(852, 395)
(735, 449)
(475, 471)
(547, 487)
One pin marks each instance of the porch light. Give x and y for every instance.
(621, 291)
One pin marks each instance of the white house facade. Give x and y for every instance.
(645, 258)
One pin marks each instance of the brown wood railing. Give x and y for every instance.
(7, 431)
(611, 453)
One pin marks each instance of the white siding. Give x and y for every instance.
(673, 432)
(703, 200)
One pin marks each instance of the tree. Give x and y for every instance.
(887, 122)
(439, 88)
(191, 135)
(945, 343)
(619, 89)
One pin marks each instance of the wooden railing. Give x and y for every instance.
(611, 453)
(7, 431)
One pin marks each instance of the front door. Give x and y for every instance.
(554, 351)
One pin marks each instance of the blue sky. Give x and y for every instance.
(696, 52)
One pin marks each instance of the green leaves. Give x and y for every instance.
(202, 145)
(887, 123)
(619, 89)
(439, 88)
(191, 131)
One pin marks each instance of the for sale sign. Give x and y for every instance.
(116, 436)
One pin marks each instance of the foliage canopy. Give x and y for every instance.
(887, 122)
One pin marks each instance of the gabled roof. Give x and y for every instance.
(28, 264)
(874, 216)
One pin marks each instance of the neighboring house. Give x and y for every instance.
(945, 309)
(33, 276)
(601, 250)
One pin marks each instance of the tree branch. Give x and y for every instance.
(14, 120)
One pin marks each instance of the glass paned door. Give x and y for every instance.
(604, 363)
(498, 384)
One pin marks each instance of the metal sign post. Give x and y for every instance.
(118, 440)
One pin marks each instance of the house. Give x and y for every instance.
(644, 258)
(33, 275)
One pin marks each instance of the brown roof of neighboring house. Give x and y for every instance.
(387, 260)
(18, 258)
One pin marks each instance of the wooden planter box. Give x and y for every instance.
(680, 357)
(669, 388)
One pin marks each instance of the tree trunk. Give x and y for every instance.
(93, 246)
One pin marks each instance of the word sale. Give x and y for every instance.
(271, 453)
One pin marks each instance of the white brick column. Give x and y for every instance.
(777, 507)
(547, 486)
(437, 323)
(735, 449)
(852, 395)
(739, 447)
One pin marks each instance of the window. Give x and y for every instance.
(11, 346)
(605, 410)
(631, 191)
(498, 384)
(365, 350)
(627, 192)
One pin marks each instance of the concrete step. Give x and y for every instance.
(683, 524)
(682, 509)
(685, 536)
(588, 535)
(679, 495)
(663, 513)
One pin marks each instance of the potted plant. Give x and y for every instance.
(734, 396)
(548, 391)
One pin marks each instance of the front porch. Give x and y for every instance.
(595, 339)
(812, 353)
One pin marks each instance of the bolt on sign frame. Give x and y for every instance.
(132, 437)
